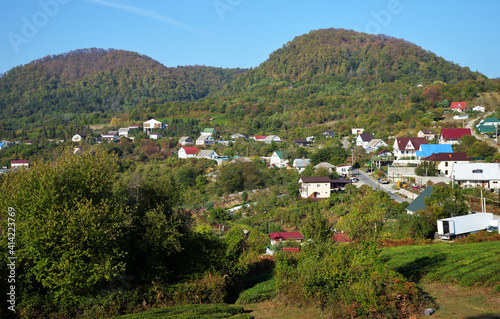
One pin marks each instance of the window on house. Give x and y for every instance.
(446, 164)
(477, 171)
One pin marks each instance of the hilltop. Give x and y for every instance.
(87, 81)
(326, 75)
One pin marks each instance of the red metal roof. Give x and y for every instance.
(441, 157)
(342, 238)
(458, 105)
(416, 141)
(190, 149)
(286, 235)
(259, 137)
(19, 162)
(291, 250)
(454, 133)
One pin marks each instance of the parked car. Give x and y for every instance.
(354, 179)
(384, 181)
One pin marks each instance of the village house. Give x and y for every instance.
(453, 135)
(405, 149)
(300, 142)
(300, 164)
(281, 237)
(428, 134)
(272, 138)
(328, 134)
(209, 131)
(134, 126)
(237, 135)
(488, 126)
(315, 187)
(344, 170)
(155, 136)
(185, 140)
(110, 137)
(123, 131)
(486, 175)
(148, 126)
(458, 106)
(19, 163)
(356, 131)
(278, 159)
(363, 139)
(419, 203)
(429, 149)
(479, 108)
(329, 167)
(188, 152)
(208, 154)
(341, 237)
(4, 144)
(79, 138)
(205, 139)
(258, 138)
(374, 144)
(445, 161)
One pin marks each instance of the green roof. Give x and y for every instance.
(418, 203)
(281, 154)
(488, 129)
(490, 120)
(209, 130)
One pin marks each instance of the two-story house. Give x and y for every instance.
(278, 159)
(188, 152)
(405, 149)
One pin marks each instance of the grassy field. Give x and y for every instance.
(462, 279)
(463, 264)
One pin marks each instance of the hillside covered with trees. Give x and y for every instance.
(381, 83)
(93, 83)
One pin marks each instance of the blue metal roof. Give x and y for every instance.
(429, 149)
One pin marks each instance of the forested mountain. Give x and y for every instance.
(379, 82)
(335, 74)
(96, 80)
(343, 58)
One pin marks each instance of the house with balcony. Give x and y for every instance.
(152, 124)
(405, 149)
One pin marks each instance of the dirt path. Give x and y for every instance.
(470, 124)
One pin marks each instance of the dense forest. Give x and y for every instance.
(381, 83)
(92, 82)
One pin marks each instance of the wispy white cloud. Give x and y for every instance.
(149, 14)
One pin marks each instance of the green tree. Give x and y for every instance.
(426, 168)
(71, 228)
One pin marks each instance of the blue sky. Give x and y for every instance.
(242, 33)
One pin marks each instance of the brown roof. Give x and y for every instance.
(314, 179)
(441, 157)
(416, 141)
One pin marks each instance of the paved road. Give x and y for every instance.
(365, 179)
